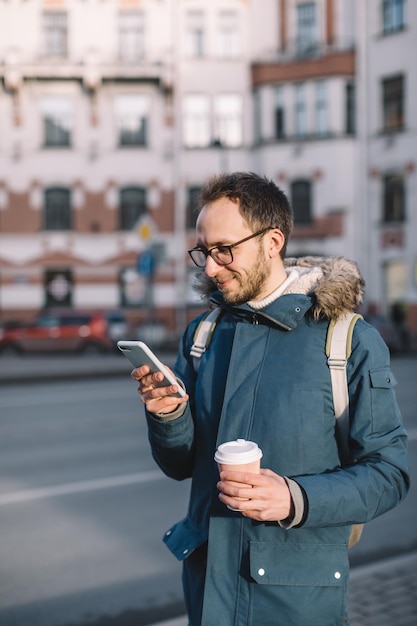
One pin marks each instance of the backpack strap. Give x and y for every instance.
(203, 334)
(338, 350)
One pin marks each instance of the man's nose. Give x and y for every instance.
(211, 268)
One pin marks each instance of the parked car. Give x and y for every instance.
(65, 330)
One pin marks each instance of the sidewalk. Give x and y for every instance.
(381, 594)
(385, 593)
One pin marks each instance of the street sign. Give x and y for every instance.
(146, 228)
(145, 264)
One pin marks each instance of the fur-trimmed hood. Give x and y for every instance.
(336, 284)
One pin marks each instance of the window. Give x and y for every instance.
(393, 103)
(257, 115)
(279, 120)
(132, 119)
(195, 34)
(394, 198)
(193, 195)
(132, 206)
(57, 209)
(196, 121)
(322, 117)
(228, 120)
(306, 28)
(393, 16)
(57, 121)
(131, 36)
(228, 40)
(300, 111)
(301, 201)
(55, 34)
(350, 122)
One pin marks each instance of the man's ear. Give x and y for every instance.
(276, 242)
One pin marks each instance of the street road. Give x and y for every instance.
(83, 506)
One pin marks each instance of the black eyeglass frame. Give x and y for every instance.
(209, 252)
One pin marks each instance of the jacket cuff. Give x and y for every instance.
(174, 415)
(299, 505)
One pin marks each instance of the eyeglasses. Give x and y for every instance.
(222, 255)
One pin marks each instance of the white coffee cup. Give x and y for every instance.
(245, 454)
(240, 456)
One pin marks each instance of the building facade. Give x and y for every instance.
(113, 113)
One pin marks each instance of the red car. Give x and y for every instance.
(74, 331)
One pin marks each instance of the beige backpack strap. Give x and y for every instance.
(338, 350)
(203, 334)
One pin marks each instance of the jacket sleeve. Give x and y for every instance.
(376, 477)
(172, 441)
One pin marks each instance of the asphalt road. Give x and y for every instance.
(83, 506)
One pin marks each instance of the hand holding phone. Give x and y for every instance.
(140, 354)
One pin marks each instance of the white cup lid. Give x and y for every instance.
(237, 452)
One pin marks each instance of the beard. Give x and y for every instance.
(250, 283)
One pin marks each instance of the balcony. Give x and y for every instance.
(90, 73)
(303, 63)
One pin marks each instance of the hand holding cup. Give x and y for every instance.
(238, 456)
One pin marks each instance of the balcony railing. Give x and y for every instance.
(300, 51)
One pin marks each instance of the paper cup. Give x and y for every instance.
(243, 455)
(240, 456)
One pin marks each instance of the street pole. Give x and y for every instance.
(179, 200)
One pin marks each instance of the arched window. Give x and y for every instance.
(132, 206)
(57, 209)
(301, 201)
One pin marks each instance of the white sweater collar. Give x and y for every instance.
(292, 275)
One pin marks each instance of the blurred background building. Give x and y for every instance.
(113, 113)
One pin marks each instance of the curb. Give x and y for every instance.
(390, 564)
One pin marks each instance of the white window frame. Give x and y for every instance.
(195, 34)
(321, 108)
(228, 35)
(196, 121)
(132, 117)
(307, 24)
(57, 111)
(228, 119)
(300, 111)
(393, 15)
(279, 105)
(131, 36)
(55, 34)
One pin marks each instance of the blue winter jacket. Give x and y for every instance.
(265, 378)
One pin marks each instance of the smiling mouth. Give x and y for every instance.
(224, 283)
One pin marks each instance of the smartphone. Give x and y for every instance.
(139, 354)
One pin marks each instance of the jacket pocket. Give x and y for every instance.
(297, 584)
(384, 415)
(184, 537)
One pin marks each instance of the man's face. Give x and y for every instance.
(248, 276)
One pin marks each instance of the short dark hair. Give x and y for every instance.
(261, 202)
